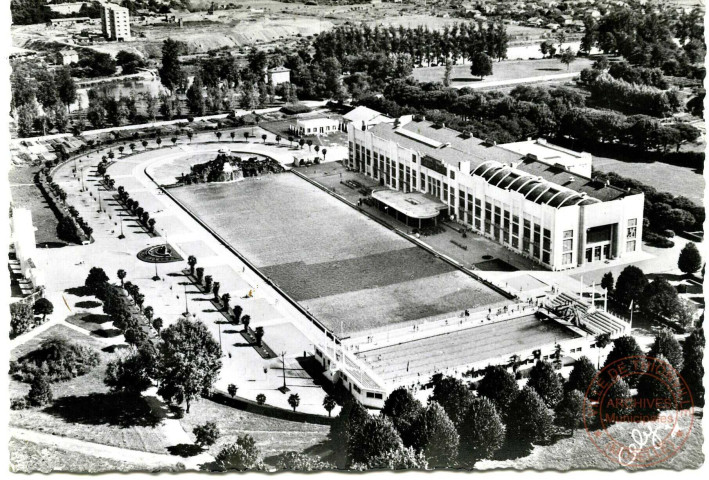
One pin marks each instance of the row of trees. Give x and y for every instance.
(459, 41)
(558, 113)
(461, 426)
(617, 94)
(134, 207)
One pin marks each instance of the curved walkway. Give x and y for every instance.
(149, 460)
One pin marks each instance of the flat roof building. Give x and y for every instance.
(543, 209)
(365, 117)
(278, 75)
(67, 57)
(115, 22)
(315, 126)
(541, 150)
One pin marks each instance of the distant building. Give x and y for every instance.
(315, 126)
(278, 75)
(66, 8)
(67, 57)
(115, 22)
(68, 21)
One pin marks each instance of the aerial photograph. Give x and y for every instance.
(355, 236)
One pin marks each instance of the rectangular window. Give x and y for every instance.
(568, 234)
(632, 228)
(452, 175)
(630, 246)
(566, 258)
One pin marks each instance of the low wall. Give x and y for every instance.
(270, 410)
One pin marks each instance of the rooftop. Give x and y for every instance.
(545, 151)
(411, 204)
(364, 114)
(451, 147)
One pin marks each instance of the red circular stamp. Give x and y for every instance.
(638, 411)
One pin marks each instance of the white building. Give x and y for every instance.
(67, 57)
(115, 22)
(66, 8)
(364, 117)
(278, 75)
(538, 207)
(23, 240)
(315, 126)
(540, 149)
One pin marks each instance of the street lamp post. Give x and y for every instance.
(284, 389)
(187, 307)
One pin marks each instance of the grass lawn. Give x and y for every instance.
(83, 407)
(663, 176)
(28, 457)
(506, 70)
(272, 435)
(318, 250)
(578, 452)
(94, 323)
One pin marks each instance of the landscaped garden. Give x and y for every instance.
(318, 249)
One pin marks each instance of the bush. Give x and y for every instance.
(668, 233)
(40, 391)
(206, 435)
(21, 319)
(19, 403)
(655, 240)
(58, 359)
(295, 109)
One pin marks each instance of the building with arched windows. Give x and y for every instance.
(533, 197)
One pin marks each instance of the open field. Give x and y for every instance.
(507, 70)
(272, 435)
(578, 452)
(83, 407)
(463, 347)
(324, 254)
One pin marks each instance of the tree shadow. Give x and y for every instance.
(97, 318)
(176, 274)
(243, 345)
(115, 348)
(80, 291)
(106, 333)
(120, 410)
(51, 244)
(185, 450)
(231, 331)
(88, 304)
(549, 69)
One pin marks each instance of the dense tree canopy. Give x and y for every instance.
(188, 362)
